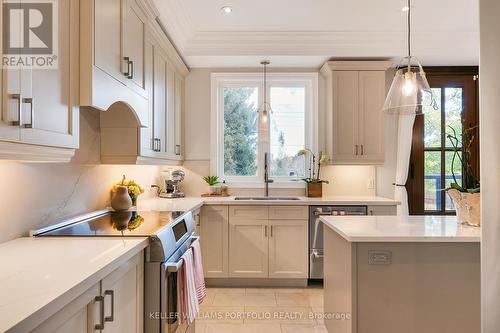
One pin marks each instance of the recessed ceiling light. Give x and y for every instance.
(227, 9)
(405, 9)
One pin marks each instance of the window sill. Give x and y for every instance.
(276, 184)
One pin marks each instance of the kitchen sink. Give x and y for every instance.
(267, 198)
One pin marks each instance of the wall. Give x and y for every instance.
(344, 180)
(489, 75)
(36, 194)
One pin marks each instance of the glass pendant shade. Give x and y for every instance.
(409, 91)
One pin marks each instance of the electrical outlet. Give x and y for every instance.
(379, 257)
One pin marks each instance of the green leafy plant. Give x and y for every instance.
(462, 144)
(211, 180)
(314, 177)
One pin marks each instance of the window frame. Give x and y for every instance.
(221, 80)
(442, 77)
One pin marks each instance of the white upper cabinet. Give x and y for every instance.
(113, 36)
(355, 94)
(39, 107)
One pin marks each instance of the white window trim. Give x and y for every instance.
(218, 80)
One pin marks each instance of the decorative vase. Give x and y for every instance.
(134, 199)
(467, 206)
(121, 200)
(214, 189)
(314, 190)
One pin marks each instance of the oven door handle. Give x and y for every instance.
(173, 267)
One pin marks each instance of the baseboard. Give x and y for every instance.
(249, 283)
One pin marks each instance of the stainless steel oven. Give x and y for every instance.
(316, 233)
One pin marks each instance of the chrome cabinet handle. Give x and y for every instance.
(159, 144)
(32, 112)
(112, 294)
(100, 326)
(265, 231)
(177, 150)
(362, 150)
(356, 150)
(271, 231)
(17, 97)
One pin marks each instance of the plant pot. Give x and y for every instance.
(314, 190)
(467, 206)
(214, 189)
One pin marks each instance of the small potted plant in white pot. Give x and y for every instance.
(464, 194)
(212, 182)
(313, 181)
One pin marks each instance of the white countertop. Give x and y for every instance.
(401, 229)
(39, 276)
(191, 203)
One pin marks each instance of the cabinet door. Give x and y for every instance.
(170, 118)
(147, 134)
(179, 96)
(345, 116)
(371, 117)
(123, 297)
(109, 39)
(79, 316)
(248, 247)
(134, 39)
(214, 236)
(288, 249)
(159, 99)
(50, 113)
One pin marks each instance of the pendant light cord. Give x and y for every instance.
(409, 34)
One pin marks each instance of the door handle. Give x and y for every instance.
(112, 294)
(362, 150)
(100, 299)
(356, 150)
(177, 149)
(29, 101)
(17, 97)
(265, 231)
(271, 231)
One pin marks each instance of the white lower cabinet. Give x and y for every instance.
(287, 246)
(254, 241)
(214, 238)
(248, 247)
(115, 304)
(382, 210)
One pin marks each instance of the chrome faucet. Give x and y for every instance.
(266, 173)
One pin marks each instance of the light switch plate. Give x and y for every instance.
(379, 257)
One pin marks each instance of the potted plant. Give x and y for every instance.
(212, 182)
(465, 195)
(313, 181)
(133, 189)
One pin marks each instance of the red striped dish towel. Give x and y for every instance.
(199, 277)
(187, 300)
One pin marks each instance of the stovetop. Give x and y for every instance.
(127, 223)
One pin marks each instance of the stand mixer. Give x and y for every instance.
(172, 179)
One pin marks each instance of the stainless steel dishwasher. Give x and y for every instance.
(316, 233)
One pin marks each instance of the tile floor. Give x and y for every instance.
(266, 310)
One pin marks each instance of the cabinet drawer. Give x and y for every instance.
(253, 212)
(289, 212)
(382, 210)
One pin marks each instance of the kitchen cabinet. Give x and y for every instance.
(39, 118)
(268, 242)
(112, 64)
(114, 304)
(79, 316)
(355, 94)
(382, 210)
(160, 141)
(214, 232)
(288, 242)
(248, 242)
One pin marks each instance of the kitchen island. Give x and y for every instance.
(392, 274)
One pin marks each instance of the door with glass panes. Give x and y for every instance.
(432, 166)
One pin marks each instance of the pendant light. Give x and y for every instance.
(265, 109)
(409, 87)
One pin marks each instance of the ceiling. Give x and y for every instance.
(305, 33)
